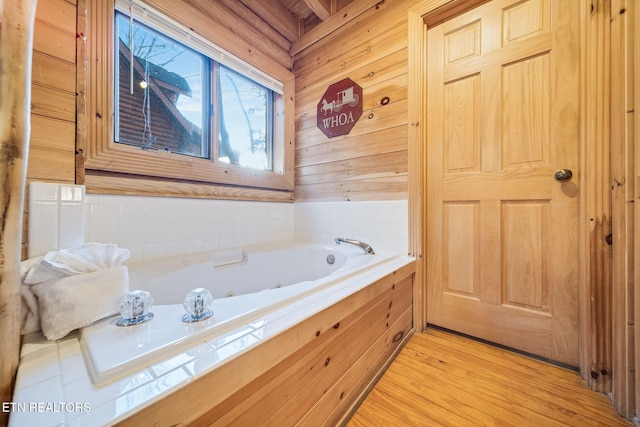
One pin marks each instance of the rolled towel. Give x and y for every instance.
(81, 259)
(76, 301)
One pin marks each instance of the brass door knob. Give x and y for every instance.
(563, 175)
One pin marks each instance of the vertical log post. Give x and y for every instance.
(16, 42)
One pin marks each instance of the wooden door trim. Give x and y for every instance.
(636, 218)
(417, 176)
(623, 190)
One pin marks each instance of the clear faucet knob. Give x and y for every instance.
(198, 305)
(134, 308)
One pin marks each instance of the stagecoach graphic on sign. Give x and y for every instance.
(339, 108)
(345, 97)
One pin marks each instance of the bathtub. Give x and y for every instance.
(247, 284)
(263, 297)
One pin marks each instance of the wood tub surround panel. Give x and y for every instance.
(315, 373)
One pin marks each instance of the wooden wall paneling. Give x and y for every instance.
(368, 189)
(338, 398)
(54, 41)
(342, 149)
(328, 63)
(634, 12)
(246, 42)
(50, 133)
(237, 17)
(16, 41)
(595, 208)
(58, 13)
(326, 30)
(53, 72)
(378, 166)
(51, 165)
(375, 58)
(52, 145)
(380, 36)
(622, 185)
(49, 102)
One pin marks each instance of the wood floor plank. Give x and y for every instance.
(444, 379)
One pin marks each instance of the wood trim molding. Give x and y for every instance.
(417, 187)
(121, 184)
(622, 207)
(595, 209)
(635, 119)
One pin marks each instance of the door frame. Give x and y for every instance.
(594, 255)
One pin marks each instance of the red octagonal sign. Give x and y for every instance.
(340, 108)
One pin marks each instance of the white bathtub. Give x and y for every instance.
(247, 284)
(240, 271)
(115, 372)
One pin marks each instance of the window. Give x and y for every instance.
(162, 100)
(182, 108)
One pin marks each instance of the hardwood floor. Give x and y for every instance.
(443, 379)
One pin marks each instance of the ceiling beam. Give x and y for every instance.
(277, 15)
(322, 8)
(337, 20)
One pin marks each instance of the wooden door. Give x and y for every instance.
(502, 118)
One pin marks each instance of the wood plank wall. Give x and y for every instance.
(370, 163)
(53, 103)
(53, 111)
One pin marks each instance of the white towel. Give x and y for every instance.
(84, 258)
(72, 288)
(76, 301)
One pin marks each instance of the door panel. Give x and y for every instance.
(502, 117)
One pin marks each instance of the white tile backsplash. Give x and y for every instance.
(153, 227)
(56, 217)
(382, 224)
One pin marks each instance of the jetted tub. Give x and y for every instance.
(247, 284)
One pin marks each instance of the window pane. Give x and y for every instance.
(166, 108)
(245, 121)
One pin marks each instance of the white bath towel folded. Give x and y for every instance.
(72, 288)
(76, 301)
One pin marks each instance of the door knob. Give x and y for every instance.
(563, 175)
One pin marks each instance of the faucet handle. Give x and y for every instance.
(134, 308)
(198, 305)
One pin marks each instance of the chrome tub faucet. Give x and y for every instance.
(365, 247)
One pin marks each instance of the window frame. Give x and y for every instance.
(138, 170)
